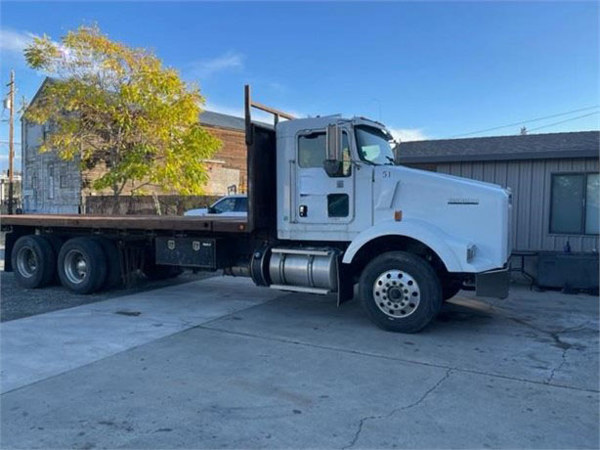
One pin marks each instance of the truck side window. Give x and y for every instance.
(338, 205)
(312, 152)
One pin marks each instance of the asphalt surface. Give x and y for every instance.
(220, 363)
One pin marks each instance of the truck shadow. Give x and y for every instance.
(465, 311)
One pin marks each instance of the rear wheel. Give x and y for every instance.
(113, 262)
(56, 243)
(400, 292)
(82, 265)
(33, 261)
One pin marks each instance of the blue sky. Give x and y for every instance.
(427, 70)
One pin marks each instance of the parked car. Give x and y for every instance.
(229, 206)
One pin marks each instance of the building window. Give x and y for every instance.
(45, 131)
(575, 203)
(50, 181)
(63, 180)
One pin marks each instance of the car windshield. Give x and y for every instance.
(374, 145)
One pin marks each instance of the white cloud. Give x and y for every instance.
(408, 134)
(14, 41)
(207, 67)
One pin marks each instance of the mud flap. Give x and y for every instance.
(493, 283)
(345, 289)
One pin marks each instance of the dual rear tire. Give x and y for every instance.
(83, 265)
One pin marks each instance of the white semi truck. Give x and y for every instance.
(327, 210)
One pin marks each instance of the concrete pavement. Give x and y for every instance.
(235, 366)
(67, 339)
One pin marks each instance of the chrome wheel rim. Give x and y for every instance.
(75, 267)
(27, 262)
(396, 294)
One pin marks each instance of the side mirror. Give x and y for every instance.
(333, 162)
(211, 210)
(333, 168)
(396, 151)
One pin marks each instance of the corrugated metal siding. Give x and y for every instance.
(530, 183)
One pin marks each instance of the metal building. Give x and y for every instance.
(553, 177)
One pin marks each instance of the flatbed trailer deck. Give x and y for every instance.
(128, 223)
(130, 243)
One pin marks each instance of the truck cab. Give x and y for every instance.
(347, 215)
(366, 196)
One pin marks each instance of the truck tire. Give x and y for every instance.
(33, 261)
(400, 292)
(56, 243)
(113, 262)
(450, 289)
(82, 265)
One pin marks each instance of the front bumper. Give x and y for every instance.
(493, 283)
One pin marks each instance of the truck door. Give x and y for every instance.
(320, 198)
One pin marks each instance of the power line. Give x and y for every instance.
(526, 121)
(563, 121)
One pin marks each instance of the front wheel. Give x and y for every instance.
(400, 292)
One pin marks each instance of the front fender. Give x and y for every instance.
(452, 251)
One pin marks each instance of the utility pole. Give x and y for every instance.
(11, 142)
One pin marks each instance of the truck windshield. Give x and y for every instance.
(374, 145)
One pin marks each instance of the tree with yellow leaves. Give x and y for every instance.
(112, 104)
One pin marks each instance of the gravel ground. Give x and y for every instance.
(17, 302)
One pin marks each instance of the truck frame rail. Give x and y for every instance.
(141, 223)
